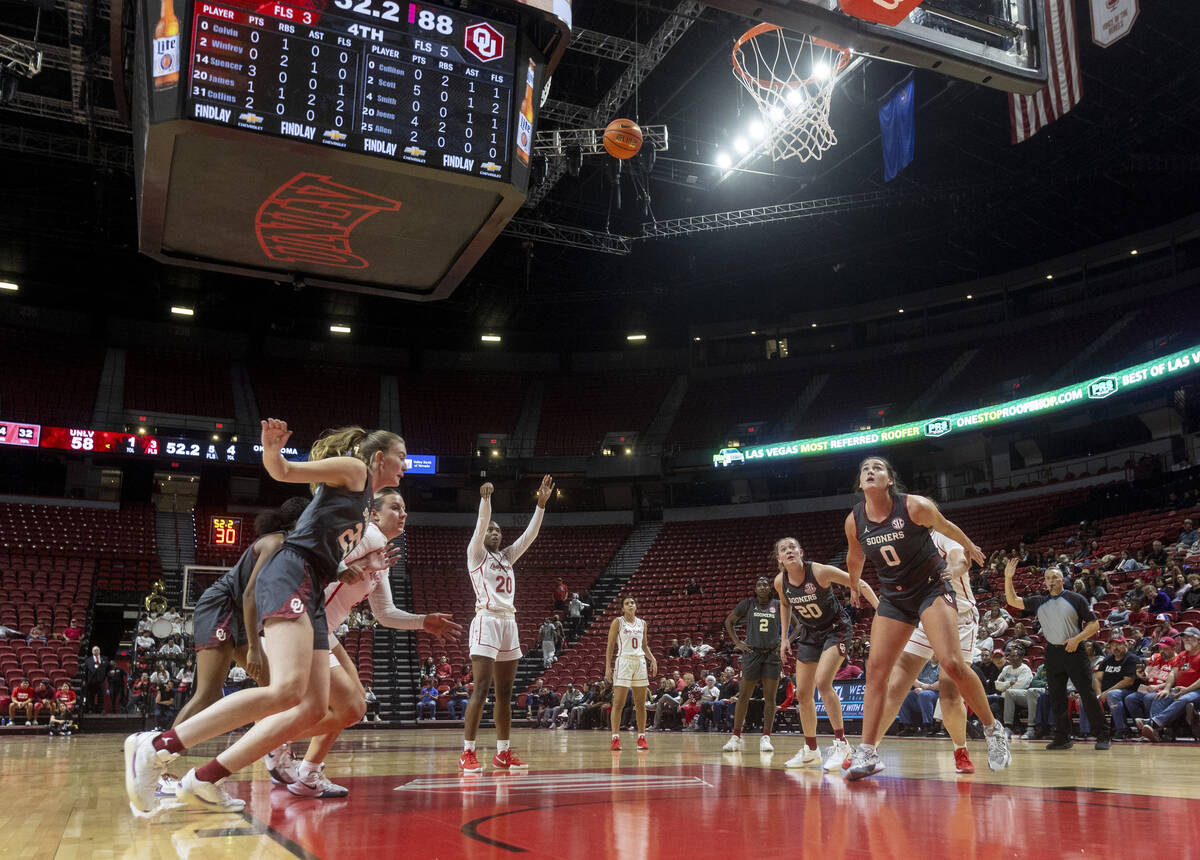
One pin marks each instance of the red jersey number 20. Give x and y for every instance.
(504, 585)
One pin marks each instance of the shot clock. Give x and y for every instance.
(225, 531)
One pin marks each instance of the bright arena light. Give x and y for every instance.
(741, 145)
(757, 130)
(775, 114)
(724, 161)
(795, 98)
(821, 71)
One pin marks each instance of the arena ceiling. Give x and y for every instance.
(975, 205)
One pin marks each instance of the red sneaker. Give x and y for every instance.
(642, 745)
(616, 745)
(467, 762)
(962, 761)
(508, 760)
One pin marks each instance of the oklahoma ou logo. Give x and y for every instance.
(484, 41)
(221, 634)
(297, 605)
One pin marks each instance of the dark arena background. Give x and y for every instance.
(958, 234)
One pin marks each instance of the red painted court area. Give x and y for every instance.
(648, 812)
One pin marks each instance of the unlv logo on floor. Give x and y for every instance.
(889, 12)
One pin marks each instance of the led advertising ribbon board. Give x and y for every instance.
(1175, 365)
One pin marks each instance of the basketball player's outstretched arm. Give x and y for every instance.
(608, 650)
(855, 558)
(523, 543)
(835, 574)
(475, 550)
(334, 471)
(925, 513)
(437, 624)
(256, 662)
(1010, 593)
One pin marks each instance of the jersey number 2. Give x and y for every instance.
(890, 555)
(764, 624)
(504, 585)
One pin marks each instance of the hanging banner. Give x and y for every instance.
(1112, 20)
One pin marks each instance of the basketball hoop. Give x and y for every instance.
(791, 79)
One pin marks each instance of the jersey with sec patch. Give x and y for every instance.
(762, 622)
(903, 552)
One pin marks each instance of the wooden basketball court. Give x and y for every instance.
(64, 798)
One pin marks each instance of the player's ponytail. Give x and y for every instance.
(352, 442)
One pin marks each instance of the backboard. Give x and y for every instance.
(996, 43)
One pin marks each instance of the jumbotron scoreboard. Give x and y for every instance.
(371, 145)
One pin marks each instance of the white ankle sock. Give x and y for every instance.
(307, 767)
(501, 746)
(468, 746)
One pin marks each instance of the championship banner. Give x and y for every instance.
(1112, 20)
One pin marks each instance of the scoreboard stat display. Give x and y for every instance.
(423, 84)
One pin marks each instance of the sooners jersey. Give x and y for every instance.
(962, 585)
(631, 637)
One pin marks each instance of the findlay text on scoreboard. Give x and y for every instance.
(432, 88)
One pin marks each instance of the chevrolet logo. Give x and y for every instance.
(491, 167)
(252, 118)
(334, 135)
(414, 151)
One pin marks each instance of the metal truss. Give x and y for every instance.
(664, 39)
(565, 113)
(604, 45)
(60, 109)
(572, 237)
(66, 147)
(591, 140)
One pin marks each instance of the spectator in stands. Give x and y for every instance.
(533, 699)
(1156, 683)
(118, 688)
(722, 707)
(1137, 640)
(1033, 695)
(1139, 614)
(546, 634)
(691, 708)
(141, 692)
(1157, 600)
(1189, 534)
(1020, 637)
(185, 679)
(444, 669)
(1191, 597)
(372, 705)
(1128, 563)
(693, 587)
(548, 702)
(989, 670)
(37, 633)
(575, 714)
(427, 704)
(164, 705)
(171, 648)
(62, 718)
(460, 694)
(979, 582)
(160, 675)
(464, 673)
(560, 595)
(1097, 585)
(235, 680)
(701, 649)
(1157, 557)
(144, 642)
(22, 699)
(1185, 688)
(1118, 616)
(995, 621)
(1117, 677)
(95, 673)
(1080, 588)
(73, 631)
(709, 693)
(673, 651)
(427, 667)
(556, 715)
(1012, 682)
(916, 711)
(595, 713)
(848, 671)
(575, 609)
(686, 650)
(665, 701)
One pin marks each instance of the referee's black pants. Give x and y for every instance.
(1061, 665)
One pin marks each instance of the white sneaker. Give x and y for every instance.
(764, 744)
(207, 795)
(997, 743)
(734, 744)
(29, 722)
(143, 766)
(863, 764)
(316, 784)
(838, 753)
(804, 758)
(281, 765)
(168, 786)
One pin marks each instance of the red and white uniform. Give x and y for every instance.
(968, 612)
(22, 696)
(494, 628)
(630, 669)
(341, 597)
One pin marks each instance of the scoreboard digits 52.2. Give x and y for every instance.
(410, 81)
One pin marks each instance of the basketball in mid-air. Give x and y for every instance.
(623, 138)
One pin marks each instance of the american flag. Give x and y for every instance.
(1064, 84)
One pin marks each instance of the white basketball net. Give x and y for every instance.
(791, 78)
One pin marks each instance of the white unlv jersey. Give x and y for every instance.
(962, 585)
(495, 585)
(632, 637)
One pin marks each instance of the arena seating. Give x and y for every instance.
(579, 410)
(443, 413)
(712, 407)
(437, 561)
(314, 397)
(50, 382)
(162, 381)
(359, 645)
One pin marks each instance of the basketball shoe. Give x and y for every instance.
(962, 761)
(765, 745)
(804, 758)
(467, 762)
(641, 744)
(734, 744)
(997, 742)
(316, 784)
(280, 765)
(863, 763)
(168, 785)
(616, 745)
(508, 760)
(207, 795)
(143, 766)
(837, 755)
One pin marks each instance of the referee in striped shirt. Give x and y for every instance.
(1066, 621)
